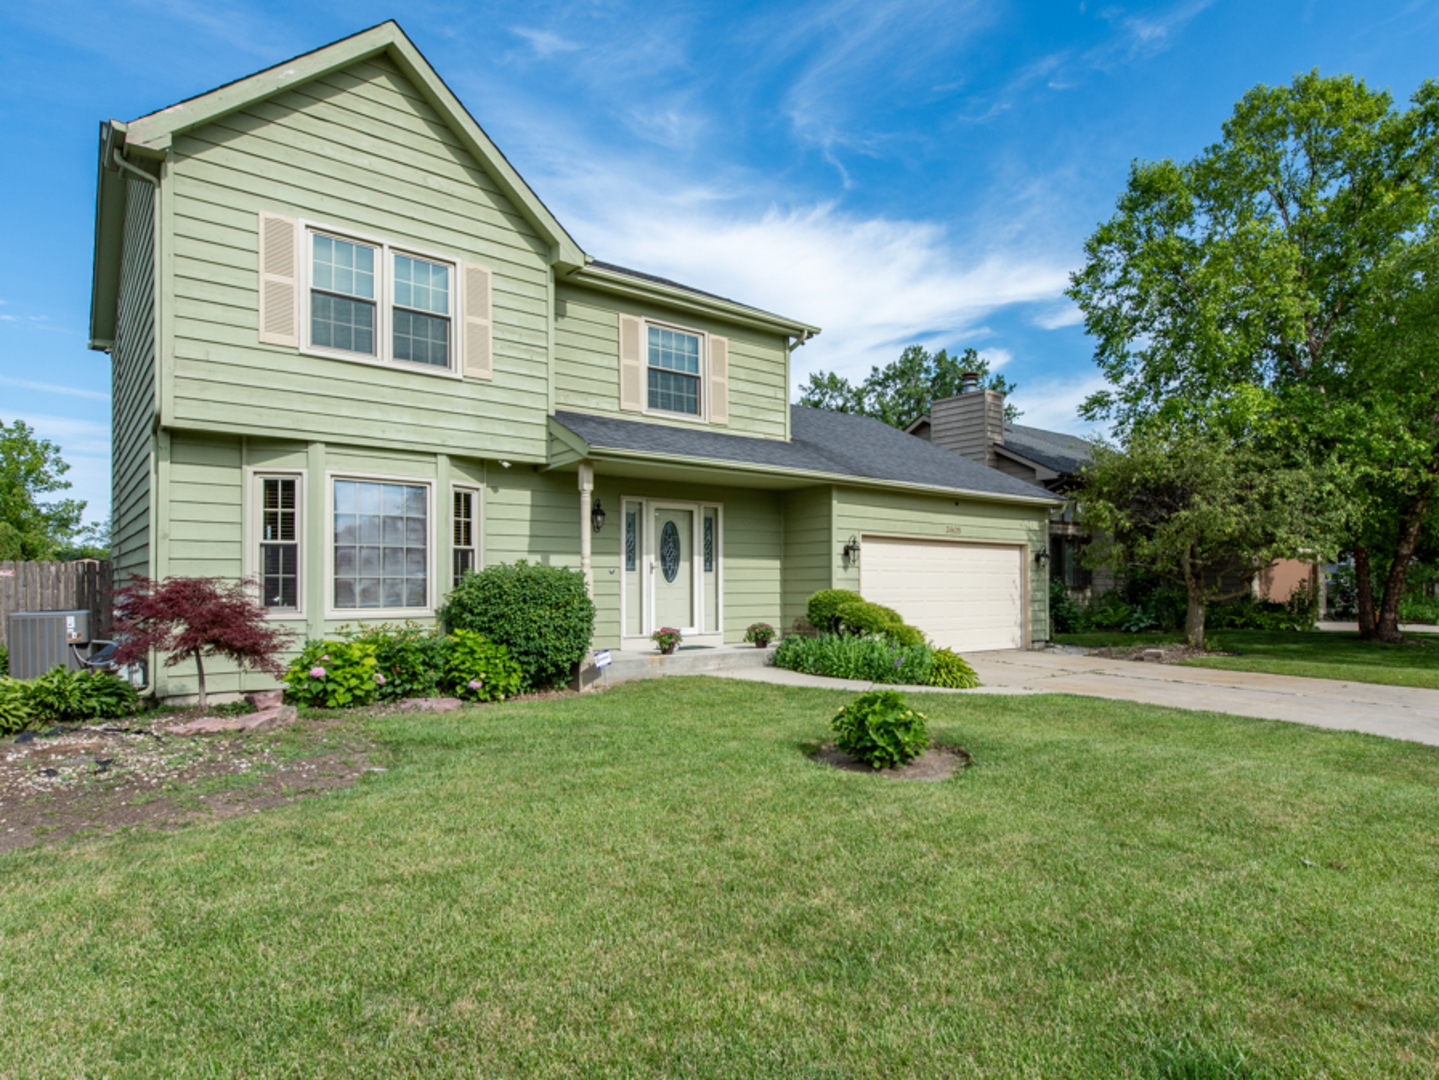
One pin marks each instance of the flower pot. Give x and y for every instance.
(668, 650)
(762, 644)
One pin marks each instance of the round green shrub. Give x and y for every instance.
(61, 696)
(822, 611)
(542, 614)
(15, 712)
(950, 670)
(477, 669)
(880, 729)
(334, 675)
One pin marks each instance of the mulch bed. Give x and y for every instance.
(1156, 654)
(936, 763)
(103, 778)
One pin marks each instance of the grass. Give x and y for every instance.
(657, 882)
(1319, 654)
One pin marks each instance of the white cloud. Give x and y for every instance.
(996, 358)
(53, 388)
(1055, 318)
(545, 43)
(1054, 403)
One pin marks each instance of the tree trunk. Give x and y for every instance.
(1364, 592)
(1386, 626)
(1194, 615)
(200, 667)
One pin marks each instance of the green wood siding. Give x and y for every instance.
(587, 358)
(360, 150)
(859, 511)
(132, 394)
(809, 544)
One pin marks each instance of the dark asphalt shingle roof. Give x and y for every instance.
(820, 441)
(1062, 453)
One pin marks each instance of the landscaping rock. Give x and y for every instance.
(427, 704)
(266, 699)
(209, 725)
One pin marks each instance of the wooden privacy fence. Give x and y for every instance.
(83, 585)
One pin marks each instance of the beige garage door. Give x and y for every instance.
(966, 597)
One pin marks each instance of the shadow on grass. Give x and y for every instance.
(1187, 1058)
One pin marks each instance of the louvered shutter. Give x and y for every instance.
(632, 396)
(719, 380)
(478, 341)
(279, 280)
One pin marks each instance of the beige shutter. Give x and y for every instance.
(279, 280)
(719, 380)
(479, 338)
(631, 365)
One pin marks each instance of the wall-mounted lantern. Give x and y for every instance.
(1042, 558)
(597, 516)
(851, 551)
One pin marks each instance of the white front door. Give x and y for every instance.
(670, 561)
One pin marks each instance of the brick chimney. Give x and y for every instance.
(970, 423)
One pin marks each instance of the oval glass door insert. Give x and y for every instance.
(670, 550)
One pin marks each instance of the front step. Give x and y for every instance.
(626, 666)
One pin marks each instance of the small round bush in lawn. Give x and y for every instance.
(334, 675)
(542, 614)
(477, 669)
(880, 729)
(950, 670)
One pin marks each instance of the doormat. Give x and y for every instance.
(684, 647)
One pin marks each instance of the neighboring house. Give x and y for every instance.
(972, 424)
(355, 356)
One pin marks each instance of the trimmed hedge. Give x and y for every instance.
(542, 614)
(845, 656)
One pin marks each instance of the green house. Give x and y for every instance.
(354, 356)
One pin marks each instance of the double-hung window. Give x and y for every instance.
(381, 545)
(370, 301)
(673, 360)
(279, 541)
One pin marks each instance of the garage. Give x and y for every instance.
(964, 596)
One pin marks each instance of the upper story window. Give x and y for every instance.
(369, 301)
(674, 371)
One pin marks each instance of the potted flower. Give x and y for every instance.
(667, 638)
(761, 633)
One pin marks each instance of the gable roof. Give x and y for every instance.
(1060, 452)
(828, 446)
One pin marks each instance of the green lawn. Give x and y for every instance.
(656, 882)
(1319, 654)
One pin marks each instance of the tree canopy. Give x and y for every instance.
(1262, 264)
(31, 468)
(901, 392)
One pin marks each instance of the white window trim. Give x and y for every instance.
(433, 545)
(701, 417)
(253, 512)
(478, 510)
(384, 302)
(645, 557)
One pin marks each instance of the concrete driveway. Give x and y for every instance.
(1394, 711)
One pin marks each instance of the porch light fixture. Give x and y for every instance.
(851, 551)
(597, 516)
(1042, 558)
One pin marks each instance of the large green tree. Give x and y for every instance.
(30, 469)
(1202, 501)
(901, 392)
(1256, 264)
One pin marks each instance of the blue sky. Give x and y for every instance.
(894, 172)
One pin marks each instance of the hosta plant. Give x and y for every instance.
(880, 729)
(951, 671)
(62, 695)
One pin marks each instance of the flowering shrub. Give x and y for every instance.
(880, 729)
(667, 638)
(842, 656)
(478, 669)
(410, 659)
(761, 633)
(334, 675)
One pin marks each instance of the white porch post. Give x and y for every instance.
(587, 489)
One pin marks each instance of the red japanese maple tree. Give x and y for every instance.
(196, 617)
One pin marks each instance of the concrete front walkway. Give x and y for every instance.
(1397, 712)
